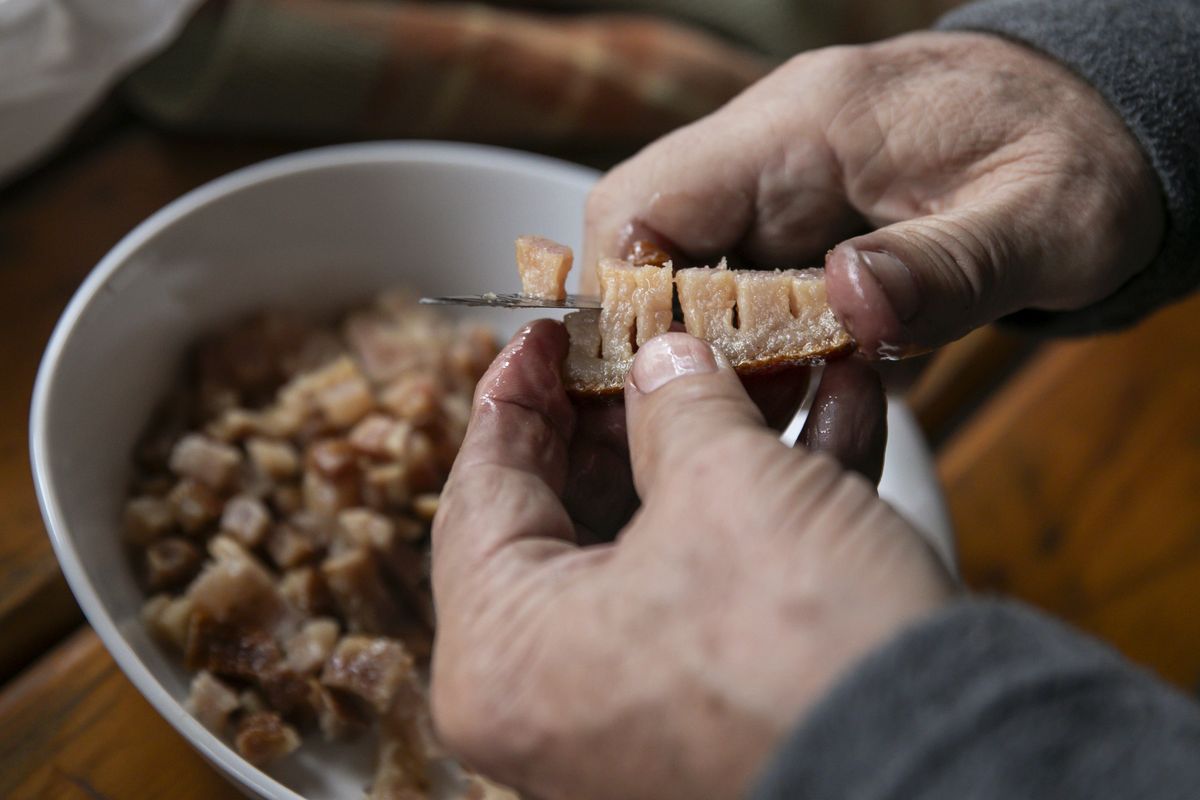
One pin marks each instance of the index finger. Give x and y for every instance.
(507, 481)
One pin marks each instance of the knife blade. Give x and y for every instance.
(494, 300)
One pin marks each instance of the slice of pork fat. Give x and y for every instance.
(782, 316)
(543, 266)
(757, 319)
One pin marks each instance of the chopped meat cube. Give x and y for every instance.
(147, 518)
(287, 499)
(305, 589)
(385, 348)
(359, 592)
(339, 715)
(407, 747)
(415, 398)
(285, 419)
(251, 702)
(307, 650)
(370, 436)
(340, 391)
(229, 650)
(235, 588)
(385, 487)
(332, 458)
(194, 504)
(246, 519)
(235, 425)
(290, 546)
(290, 693)
(320, 528)
(274, 458)
(398, 441)
(204, 459)
(364, 527)
(171, 562)
(421, 461)
(371, 668)
(211, 701)
(366, 603)
(425, 506)
(168, 619)
(264, 737)
(408, 571)
(328, 496)
(543, 266)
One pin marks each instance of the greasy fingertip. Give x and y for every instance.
(528, 373)
(860, 301)
(848, 419)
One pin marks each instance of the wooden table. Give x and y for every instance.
(1072, 471)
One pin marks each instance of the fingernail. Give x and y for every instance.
(897, 282)
(670, 356)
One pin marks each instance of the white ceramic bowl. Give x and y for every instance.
(317, 230)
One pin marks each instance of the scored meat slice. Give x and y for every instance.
(781, 316)
(636, 306)
(543, 266)
(757, 319)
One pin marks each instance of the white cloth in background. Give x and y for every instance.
(58, 57)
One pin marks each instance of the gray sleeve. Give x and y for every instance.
(1144, 58)
(992, 701)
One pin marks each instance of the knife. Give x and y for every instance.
(494, 300)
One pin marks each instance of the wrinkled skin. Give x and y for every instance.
(668, 662)
(996, 178)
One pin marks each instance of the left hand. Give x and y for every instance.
(669, 663)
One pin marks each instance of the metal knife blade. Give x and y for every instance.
(494, 300)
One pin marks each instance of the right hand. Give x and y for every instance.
(997, 179)
(671, 662)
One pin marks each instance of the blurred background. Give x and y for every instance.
(1070, 468)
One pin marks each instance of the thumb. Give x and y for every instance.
(918, 284)
(685, 406)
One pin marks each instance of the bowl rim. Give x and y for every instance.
(456, 154)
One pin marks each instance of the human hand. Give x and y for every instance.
(997, 179)
(669, 663)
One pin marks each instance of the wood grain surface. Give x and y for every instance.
(73, 727)
(1077, 488)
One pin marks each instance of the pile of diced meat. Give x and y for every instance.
(280, 520)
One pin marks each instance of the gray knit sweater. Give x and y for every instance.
(988, 700)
